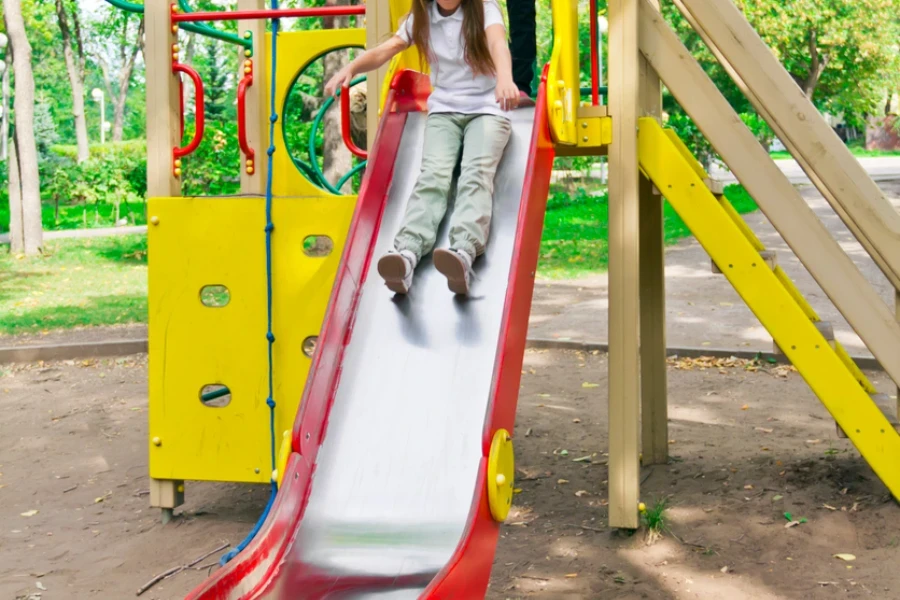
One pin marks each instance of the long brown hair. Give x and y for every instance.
(477, 54)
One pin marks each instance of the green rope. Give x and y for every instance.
(321, 181)
(350, 174)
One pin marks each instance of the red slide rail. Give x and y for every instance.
(345, 125)
(280, 13)
(200, 116)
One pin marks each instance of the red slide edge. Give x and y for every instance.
(468, 572)
(250, 571)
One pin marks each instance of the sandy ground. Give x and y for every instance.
(747, 447)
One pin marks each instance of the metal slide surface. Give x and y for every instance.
(396, 471)
(396, 488)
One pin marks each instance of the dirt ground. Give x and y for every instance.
(746, 448)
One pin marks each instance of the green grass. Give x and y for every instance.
(81, 217)
(100, 281)
(654, 517)
(857, 151)
(576, 232)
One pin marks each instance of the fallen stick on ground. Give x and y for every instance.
(176, 570)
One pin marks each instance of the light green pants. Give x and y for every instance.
(481, 139)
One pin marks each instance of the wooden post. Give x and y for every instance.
(624, 287)
(163, 129)
(257, 111)
(378, 29)
(654, 400)
(163, 108)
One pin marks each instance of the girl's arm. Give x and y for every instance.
(507, 93)
(365, 62)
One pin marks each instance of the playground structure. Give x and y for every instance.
(384, 487)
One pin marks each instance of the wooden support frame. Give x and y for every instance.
(163, 135)
(832, 269)
(378, 29)
(257, 101)
(654, 400)
(829, 164)
(163, 106)
(624, 266)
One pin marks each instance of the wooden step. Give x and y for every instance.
(824, 328)
(769, 256)
(888, 407)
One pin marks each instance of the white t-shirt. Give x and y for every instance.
(457, 88)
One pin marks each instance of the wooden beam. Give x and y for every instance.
(257, 101)
(654, 401)
(378, 29)
(624, 266)
(824, 157)
(163, 107)
(788, 212)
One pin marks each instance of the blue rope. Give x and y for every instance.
(270, 337)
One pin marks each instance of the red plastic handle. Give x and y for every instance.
(345, 125)
(200, 117)
(246, 82)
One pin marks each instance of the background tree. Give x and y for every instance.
(26, 190)
(117, 59)
(73, 51)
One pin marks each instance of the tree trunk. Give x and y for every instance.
(26, 148)
(887, 104)
(817, 65)
(76, 79)
(118, 93)
(336, 158)
(16, 226)
(4, 119)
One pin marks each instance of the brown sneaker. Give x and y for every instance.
(456, 266)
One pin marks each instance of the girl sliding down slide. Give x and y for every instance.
(464, 42)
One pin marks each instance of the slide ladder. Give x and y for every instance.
(842, 387)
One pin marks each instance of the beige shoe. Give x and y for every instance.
(397, 268)
(456, 266)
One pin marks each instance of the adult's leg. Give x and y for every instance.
(522, 42)
(428, 203)
(486, 137)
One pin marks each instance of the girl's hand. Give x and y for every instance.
(507, 94)
(340, 79)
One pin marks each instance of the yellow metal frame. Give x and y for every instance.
(220, 241)
(787, 317)
(563, 78)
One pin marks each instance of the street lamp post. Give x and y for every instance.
(98, 96)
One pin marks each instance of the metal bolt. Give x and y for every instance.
(256, 470)
(177, 172)
(247, 35)
(247, 70)
(181, 488)
(174, 28)
(155, 221)
(585, 139)
(250, 170)
(157, 441)
(584, 124)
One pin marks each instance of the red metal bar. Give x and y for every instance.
(345, 125)
(200, 118)
(246, 15)
(595, 60)
(246, 82)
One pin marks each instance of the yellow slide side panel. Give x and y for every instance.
(563, 77)
(408, 59)
(303, 47)
(776, 309)
(201, 242)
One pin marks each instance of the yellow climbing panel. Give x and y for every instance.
(196, 243)
(773, 298)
